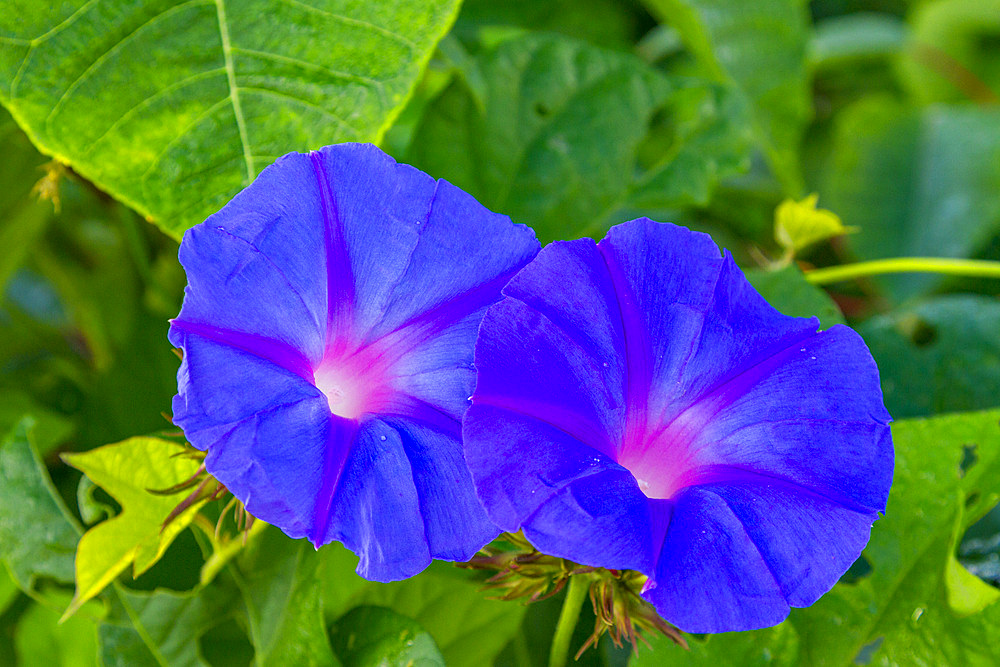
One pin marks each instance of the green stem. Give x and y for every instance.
(576, 591)
(977, 268)
(225, 551)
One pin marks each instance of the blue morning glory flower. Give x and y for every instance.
(639, 406)
(327, 332)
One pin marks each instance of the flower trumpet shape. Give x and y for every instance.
(328, 330)
(639, 406)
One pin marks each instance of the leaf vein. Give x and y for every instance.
(227, 53)
(158, 94)
(180, 135)
(347, 20)
(347, 76)
(288, 96)
(101, 59)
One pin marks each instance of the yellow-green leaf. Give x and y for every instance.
(798, 224)
(127, 470)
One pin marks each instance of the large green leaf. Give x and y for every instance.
(174, 105)
(128, 471)
(942, 355)
(917, 182)
(49, 428)
(265, 605)
(378, 637)
(160, 629)
(41, 640)
(280, 582)
(339, 582)
(761, 46)
(561, 135)
(37, 539)
(917, 606)
(611, 23)
(787, 290)
(437, 598)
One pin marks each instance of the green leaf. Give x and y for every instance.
(799, 224)
(952, 52)
(914, 607)
(917, 182)
(942, 355)
(37, 539)
(49, 428)
(564, 134)
(439, 596)
(279, 579)
(8, 588)
(127, 471)
(761, 47)
(609, 23)
(340, 581)
(162, 628)
(932, 504)
(856, 38)
(787, 290)
(226, 645)
(92, 509)
(376, 636)
(966, 593)
(41, 640)
(776, 647)
(173, 106)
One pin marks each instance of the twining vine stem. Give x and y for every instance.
(976, 268)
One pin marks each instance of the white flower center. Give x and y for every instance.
(347, 395)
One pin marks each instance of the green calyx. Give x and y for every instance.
(524, 573)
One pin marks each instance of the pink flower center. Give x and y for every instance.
(353, 383)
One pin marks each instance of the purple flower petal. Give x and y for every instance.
(328, 330)
(640, 406)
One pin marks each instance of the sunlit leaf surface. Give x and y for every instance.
(175, 105)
